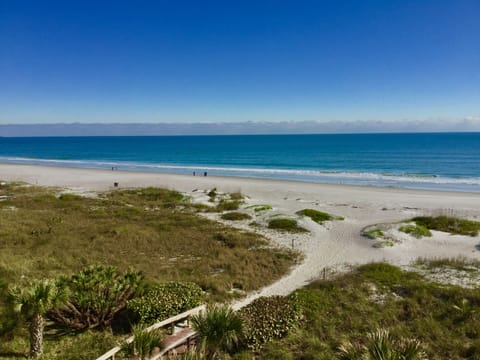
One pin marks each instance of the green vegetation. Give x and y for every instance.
(96, 295)
(318, 216)
(382, 346)
(268, 318)
(283, 224)
(236, 216)
(381, 296)
(143, 344)
(459, 263)
(225, 205)
(154, 231)
(220, 330)
(236, 196)
(151, 230)
(374, 233)
(259, 208)
(416, 230)
(165, 300)
(451, 225)
(212, 194)
(34, 302)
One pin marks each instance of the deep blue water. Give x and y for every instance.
(445, 161)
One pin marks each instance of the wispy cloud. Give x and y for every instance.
(467, 124)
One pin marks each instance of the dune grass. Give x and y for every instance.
(236, 216)
(153, 230)
(444, 318)
(260, 208)
(318, 216)
(374, 233)
(284, 224)
(452, 225)
(416, 230)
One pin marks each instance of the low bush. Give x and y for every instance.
(236, 196)
(228, 205)
(417, 231)
(212, 194)
(143, 344)
(259, 208)
(448, 224)
(268, 318)
(96, 295)
(318, 216)
(373, 233)
(286, 225)
(235, 216)
(165, 300)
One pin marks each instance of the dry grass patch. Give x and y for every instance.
(152, 230)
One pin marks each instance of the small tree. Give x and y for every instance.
(219, 328)
(34, 302)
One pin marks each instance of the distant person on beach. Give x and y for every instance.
(194, 173)
(205, 173)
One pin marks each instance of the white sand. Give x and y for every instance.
(334, 245)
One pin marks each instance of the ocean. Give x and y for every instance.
(437, 161)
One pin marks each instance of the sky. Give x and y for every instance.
(206, 61)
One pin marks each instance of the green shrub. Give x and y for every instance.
(236, 196)
(212, 194)
(219, 329)
(286, 225)
(96, 295)
(164, 301)
(268, 318)
(373, 233)
(143, 343)
(228, 205)
(451, 225)
(417, 231)
(236, 216)
(318, 216)
(258, 208)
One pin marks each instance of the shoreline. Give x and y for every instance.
(407, 181)
(221, 178)
(333, 245)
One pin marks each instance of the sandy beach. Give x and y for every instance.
(333, 245)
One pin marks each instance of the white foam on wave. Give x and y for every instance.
(340, 176)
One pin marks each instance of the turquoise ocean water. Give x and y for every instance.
(440, 161)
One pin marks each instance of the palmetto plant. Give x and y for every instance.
(382, 346)
(143, 343)
(34, 302)
(219, 329)
(97, 294)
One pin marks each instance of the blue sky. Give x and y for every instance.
(233, 61)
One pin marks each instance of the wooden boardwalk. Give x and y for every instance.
(178, 342)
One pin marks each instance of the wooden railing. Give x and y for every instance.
(185, 316)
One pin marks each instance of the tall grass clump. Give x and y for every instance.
(220, 330)
(416, 230)
(236, 216)
(283, 224)
(318, 216)
(373, 234)
(448, 224)
(144, 342)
